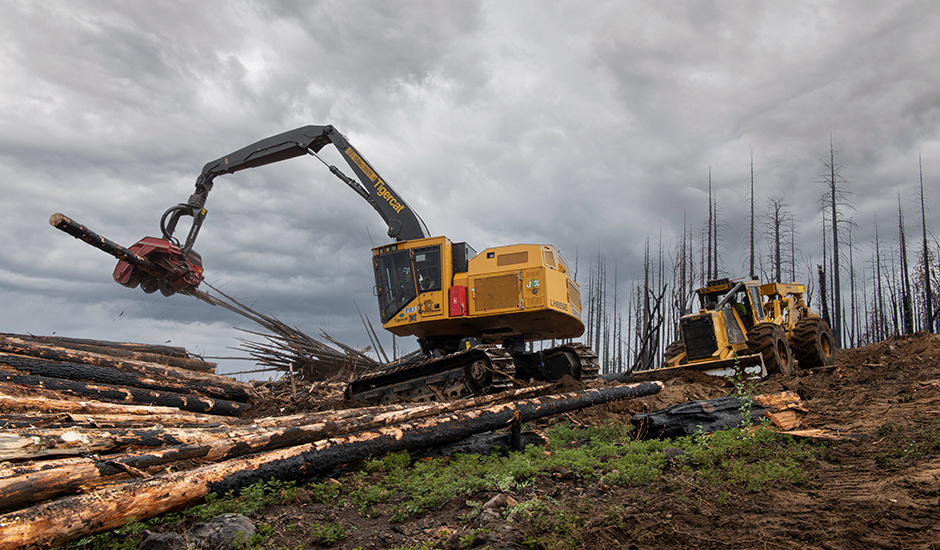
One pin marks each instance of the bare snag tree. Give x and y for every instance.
(777, 225)
(833, 201)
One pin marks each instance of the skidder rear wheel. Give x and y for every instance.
(770, 341)
(813, 343)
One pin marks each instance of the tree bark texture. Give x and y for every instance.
(121, 377)
(112, 348)
(154, 370)
(57, 522)
(32, 485)
(148, 353)
(112, 393)
(82, 410)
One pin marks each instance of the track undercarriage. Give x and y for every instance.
(479, 370)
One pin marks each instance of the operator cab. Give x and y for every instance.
(741, 296)
(405, 271)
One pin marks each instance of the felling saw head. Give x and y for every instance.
(176, 271)
(154, 264)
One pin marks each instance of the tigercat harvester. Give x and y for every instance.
(473, 314)
(752, 327)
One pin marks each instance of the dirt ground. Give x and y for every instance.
(869, 490)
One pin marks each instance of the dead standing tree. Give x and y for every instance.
(925, 259)
(833, 200)
(907, 312)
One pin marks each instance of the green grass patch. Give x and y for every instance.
(330, 534)
(394, 487)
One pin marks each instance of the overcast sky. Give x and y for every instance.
(590, 126)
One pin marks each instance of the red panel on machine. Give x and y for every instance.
(458, 301)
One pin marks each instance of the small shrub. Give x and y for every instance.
(330, 534)
(324, 492)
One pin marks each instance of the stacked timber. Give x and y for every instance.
(114, 373)
(72, 466)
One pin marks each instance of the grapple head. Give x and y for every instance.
(175, 271)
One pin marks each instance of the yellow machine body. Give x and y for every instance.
(442, 292)
(751, 326)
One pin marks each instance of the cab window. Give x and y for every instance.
(428, 268)
(395, 279)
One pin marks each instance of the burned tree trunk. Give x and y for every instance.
(128, 378)
(32, 485)
(78, 409)
(67, 519)
(130, 395)
(152, 370)
(149, 353)
(784, 409)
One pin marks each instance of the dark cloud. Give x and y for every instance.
(591, 127)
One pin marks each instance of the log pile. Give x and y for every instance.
(114, 373)
(98, 433)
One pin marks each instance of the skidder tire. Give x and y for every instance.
(813, 343)
(674, 350)
(770, 341)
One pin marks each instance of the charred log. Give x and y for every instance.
(30, 486)
(86, 410)
(124, 377)
(149, 353)
(67, 519)
(784, 409)
(107, 392)
(153, 370)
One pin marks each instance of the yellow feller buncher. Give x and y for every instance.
(746, 326)
(472, 314)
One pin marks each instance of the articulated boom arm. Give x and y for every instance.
(403, 223)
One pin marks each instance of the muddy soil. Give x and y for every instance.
(879, 487)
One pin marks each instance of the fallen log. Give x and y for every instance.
(239, 390)
(32, 444)
(148, 353)
(439, 406)
(55, 523)
(106, 375)
(42, 482)
(88, 409)
(784, 409)
(108, 392)
(180, 419)
(80, 343)
(25, 444)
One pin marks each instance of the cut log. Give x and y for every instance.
(128, 378)
(27, 444)
(203, 446)
(19, 347)
(82, 343)
(64, 520)
(89, 408)
(107, 392)
(719, 414)
(31, 444)
(149, 353)
(439, 406)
